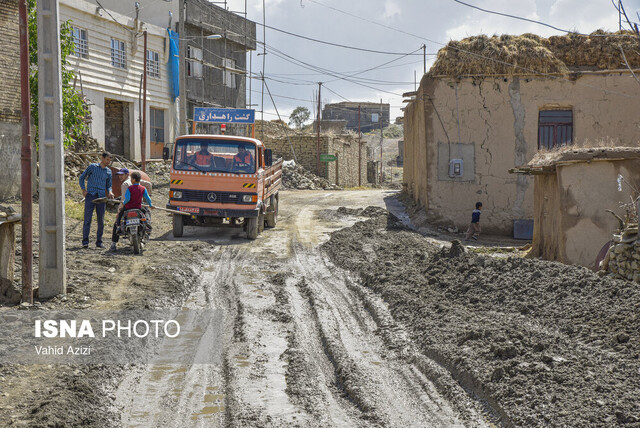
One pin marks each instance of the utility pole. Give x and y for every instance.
(359, 150)
(381, 140)
(318, 122)
(27, 204)
(53, 278)
(424, 58)
(183, 54)
(264, 58)
(143, 142)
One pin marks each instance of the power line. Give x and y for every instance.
(534, 21)
(334, 92)
(335, 44)
(303, 64)
(530, 71)
(114, 19)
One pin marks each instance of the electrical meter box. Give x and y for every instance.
(456, 168)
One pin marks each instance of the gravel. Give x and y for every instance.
(297, 177)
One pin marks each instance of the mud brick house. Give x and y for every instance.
(371, 114)
(573, 189)
(476, 115)
(10, 116)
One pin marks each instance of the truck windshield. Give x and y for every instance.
(215, 156)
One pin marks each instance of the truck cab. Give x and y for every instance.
(222, 180)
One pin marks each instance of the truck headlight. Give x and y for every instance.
(177, 194)
(246, 198)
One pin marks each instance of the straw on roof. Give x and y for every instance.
(532, 54)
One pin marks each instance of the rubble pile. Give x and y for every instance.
(623, 257)
(272, 129)
(297, 177)
(75, 163)
(159, 171)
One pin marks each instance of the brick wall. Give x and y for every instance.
(9, 62)
(345, 149)
(305, 147)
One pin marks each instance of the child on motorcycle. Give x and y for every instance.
(132, 200)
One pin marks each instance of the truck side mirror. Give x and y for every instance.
(165, 153)
(268, 157)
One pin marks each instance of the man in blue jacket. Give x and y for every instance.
(98, 178)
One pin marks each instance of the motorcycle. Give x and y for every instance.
(136, 226)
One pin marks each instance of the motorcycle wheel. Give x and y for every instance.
(135, 242)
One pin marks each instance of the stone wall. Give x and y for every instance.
(345, 147)
(373, 172)
(348, 156)
(623, 257)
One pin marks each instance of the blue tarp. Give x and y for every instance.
(174, 63)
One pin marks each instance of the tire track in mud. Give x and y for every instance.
(304, 345)
(386, 389)
(175, 395)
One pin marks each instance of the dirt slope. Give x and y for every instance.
(542, 343)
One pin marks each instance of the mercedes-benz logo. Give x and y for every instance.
(211, 197)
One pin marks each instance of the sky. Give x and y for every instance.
(399, 27)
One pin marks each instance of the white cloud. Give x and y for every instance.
(391, 9)
(478, 22)
(591, 16)
(438, 20)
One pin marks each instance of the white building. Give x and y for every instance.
(108, 60)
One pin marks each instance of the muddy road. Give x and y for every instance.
(341, 316)
(302, 343)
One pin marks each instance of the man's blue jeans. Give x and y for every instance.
(88, 215)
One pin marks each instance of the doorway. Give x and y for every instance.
(156, 127)
(116, 126)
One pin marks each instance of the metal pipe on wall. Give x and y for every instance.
(143, 142)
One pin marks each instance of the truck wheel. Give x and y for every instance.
(272, 216)
(178, 226)
(260, 223)
(252, 227)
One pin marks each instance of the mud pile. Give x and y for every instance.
(541, 343)
(83, 395)
(298, 177)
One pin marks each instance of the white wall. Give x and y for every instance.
(101, 80)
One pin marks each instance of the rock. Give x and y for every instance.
(297, 177)
(622, 337)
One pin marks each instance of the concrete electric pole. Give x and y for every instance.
(53, 278)
(183, 64)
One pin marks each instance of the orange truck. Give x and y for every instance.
(222, 180)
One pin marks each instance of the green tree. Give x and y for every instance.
(74, 110)
(299, 116)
